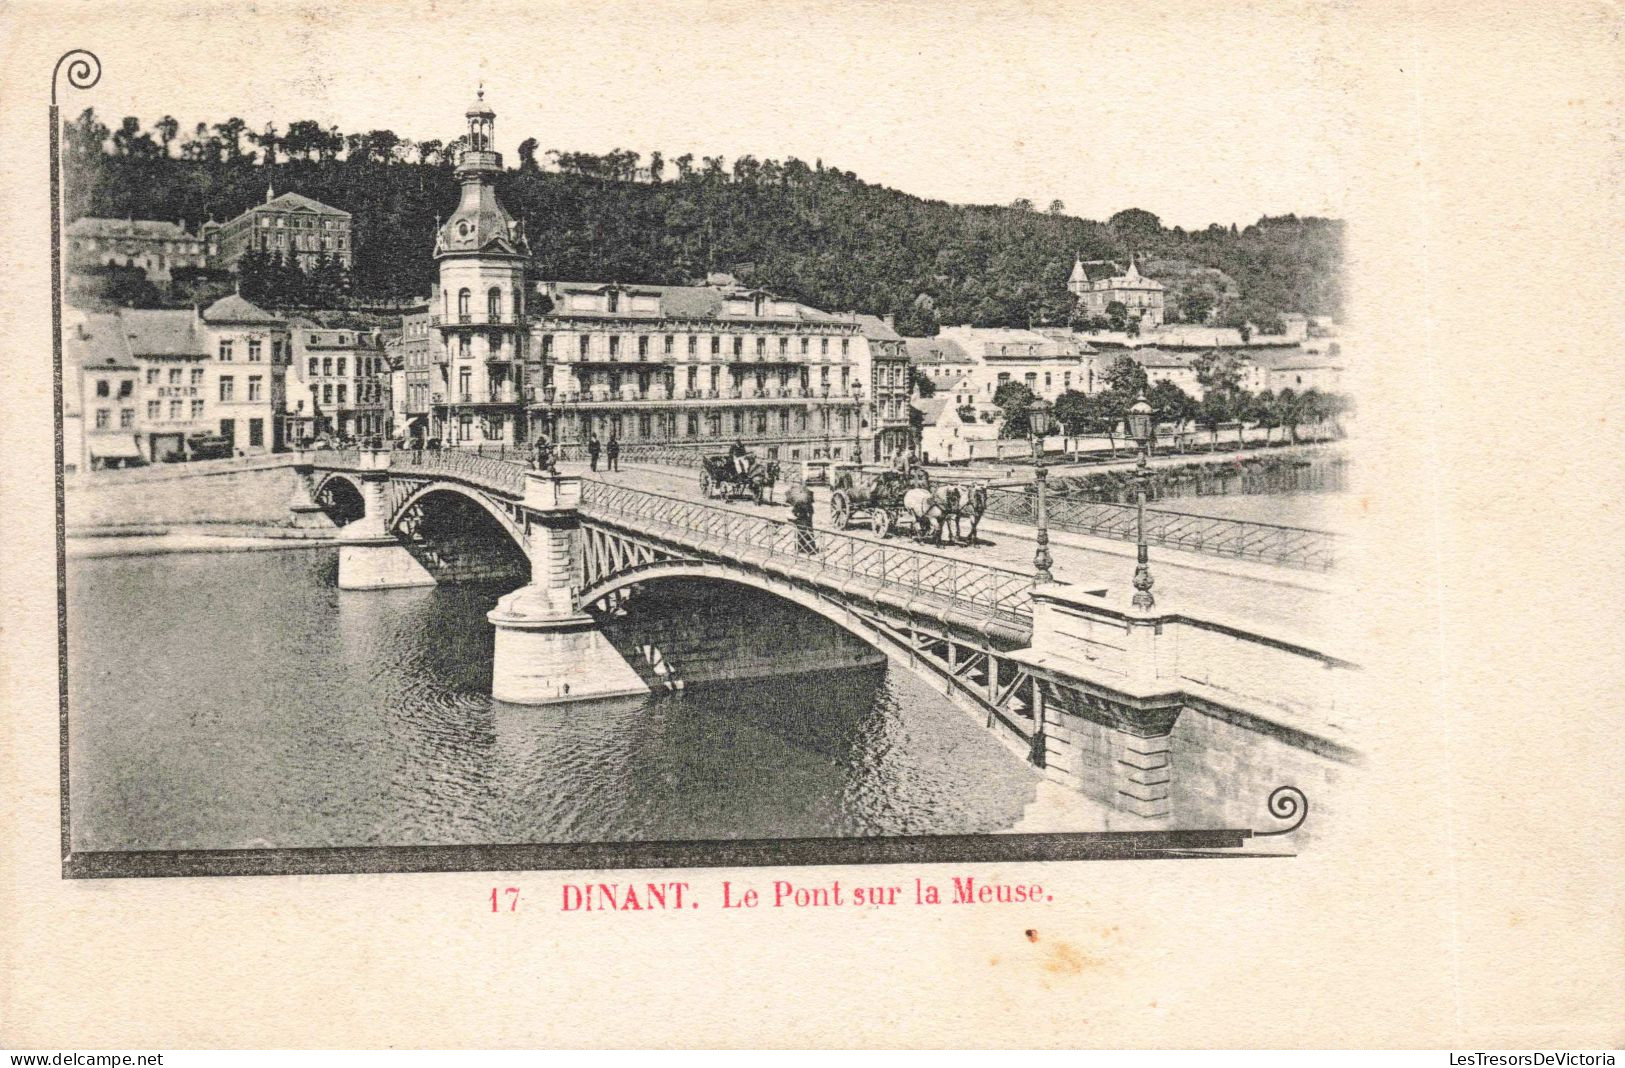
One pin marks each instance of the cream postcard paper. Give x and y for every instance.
(552, 551)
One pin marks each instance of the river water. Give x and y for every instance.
(240, 700)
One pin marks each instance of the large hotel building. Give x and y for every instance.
(643, 364)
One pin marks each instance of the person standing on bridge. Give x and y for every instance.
(593, 449)
(800, 500)
(613, 453)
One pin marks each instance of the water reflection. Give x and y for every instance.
(240, 700)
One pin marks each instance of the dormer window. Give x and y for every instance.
(613, 301)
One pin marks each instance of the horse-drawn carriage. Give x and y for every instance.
(734, 478)
(894, 500)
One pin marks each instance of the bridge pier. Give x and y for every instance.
(370, 557)
(547, 649)
(303, 511)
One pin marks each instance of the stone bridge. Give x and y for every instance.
(1146, 712)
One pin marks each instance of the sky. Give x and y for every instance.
(1198, 113)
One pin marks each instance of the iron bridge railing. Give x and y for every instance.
(837, 557)
(1290, 546)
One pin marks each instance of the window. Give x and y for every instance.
(614, 346)
(174, 376)
(197, 409)
(197, 376)
(493, 305)
(125, 388)
(341, 366)
(586, 341)
(643, 347)
(227, 387)
(253, 350)
(155, 409)
(313, 371)
(463, 298)
(463, 347)
(341, 394)
(102, 417)
(276, 351)
(846, 347)
(102, 387)
(804, 343)
(823, 346)
(327, 393)
(643, 425)
(739, 422)
(126, 418)
(152, 376)
(784, 347)
(739, 346)
(225, 352)
(613, 301)
(693, 424)
(671, 344)
(256, 432)
(175, 409)
(547, 346)
(255, 384)
(761, 347)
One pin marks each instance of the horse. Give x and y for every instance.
(761, 479)
(972, 502)
(927, 513)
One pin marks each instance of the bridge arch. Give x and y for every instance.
(340, 498)
(710, 571)
(504, 518)
(973, 674)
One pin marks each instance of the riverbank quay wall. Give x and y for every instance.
(248, 491)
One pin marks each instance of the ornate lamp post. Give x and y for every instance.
(1139, 426)
(1039, 423)
(857, 426)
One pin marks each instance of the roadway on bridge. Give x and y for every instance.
(1290, 604)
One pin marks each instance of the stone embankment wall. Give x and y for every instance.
(695, 633)
(254, 491)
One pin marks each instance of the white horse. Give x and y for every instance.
(932, 509)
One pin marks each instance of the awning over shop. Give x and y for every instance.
(115, 447)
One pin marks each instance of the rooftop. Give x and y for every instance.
(90, 226)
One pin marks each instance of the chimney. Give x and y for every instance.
(890, 319)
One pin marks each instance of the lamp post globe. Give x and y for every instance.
(1139, 419)
(1039, 414)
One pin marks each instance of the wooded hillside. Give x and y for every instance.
(813, 232)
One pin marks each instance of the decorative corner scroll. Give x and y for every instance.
(84, 70)
(1286, 802)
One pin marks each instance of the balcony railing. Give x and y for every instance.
(472, 319)
(1289, 546)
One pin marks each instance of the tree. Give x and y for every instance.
(1288, 413)
(921, 386)
(1105, 410)
(1117, 315)
(1057, 208)
(1012, 399)
(231, 136)
(1173, 405)
(1215, 409)
(167, 128)
(1218, 372)
(1072, 413)
(1262, 411)
(1127, 379)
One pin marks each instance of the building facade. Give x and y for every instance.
(479, 308)
(417, 348)
(156, 247)
(1142, 297)
(154, 383)
(339, 382)
(1049, 362)
(698, 365)
(300, 230)
(883, 369)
